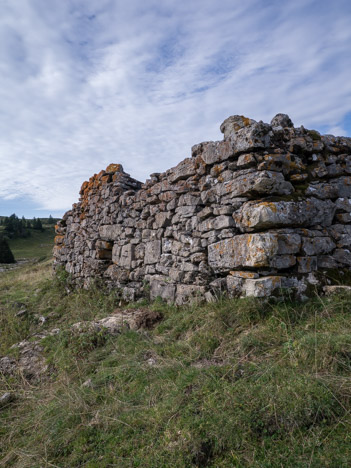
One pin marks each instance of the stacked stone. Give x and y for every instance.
(77, 243)
(267, 209)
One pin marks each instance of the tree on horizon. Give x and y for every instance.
(6, 255)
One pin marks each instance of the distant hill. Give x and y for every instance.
(28, 238)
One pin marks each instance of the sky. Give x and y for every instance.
(86, 83)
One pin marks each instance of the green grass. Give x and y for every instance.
(238, 383)
(38, 245)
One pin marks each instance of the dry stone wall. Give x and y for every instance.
(266, 210)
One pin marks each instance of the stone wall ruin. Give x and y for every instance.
(266, 210)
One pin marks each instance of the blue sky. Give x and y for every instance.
(138, 82)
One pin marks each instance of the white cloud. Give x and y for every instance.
(83, 84)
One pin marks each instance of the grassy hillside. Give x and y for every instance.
(26, 240)
(239, 383)
(38, 245)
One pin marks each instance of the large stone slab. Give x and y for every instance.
(159, 287)
(256, 183)
(213, 151)
(152, 252)
(335, 188)
(253, 216)
(110, 232)
(246, 134)
(251, 250)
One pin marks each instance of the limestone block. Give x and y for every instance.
(110, 232)
(184, 212)
(283, 261)
(159, 287)
(256, 183)
(254, 216)
(335, 188)
(152, 252)
(262, 287)
(162, 219)
(183, 170)
(285, 163)
(234, 285)
(317, 245)
(219, 222)
(204, 213)
(129, 294)
(188, 293)
(307, 264)
(246, 160)
(282, 121)
(343, 204)
(213, 151)
(341, 234)
(343, 217)
(189, 199)
(342, 256)
(327, 261)
(244, 274)
(123, 255)
(251, 250)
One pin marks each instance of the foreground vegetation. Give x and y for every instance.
(234, 383)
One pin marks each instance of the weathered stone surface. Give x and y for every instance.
(285, 163)
(251, 250)
(184, 170)
(307, 264)
(187, 293)
(282, 121)
(262, 287)
(220, 222)
(110, 233)
(253, 216)
(256, 183)
(317, 245)
(246, 134)
(213, 151)
(343, 217)
(342, 256)
(159, 287)
(336, 188)
(152, 252)
(234, 285)
(244, 274)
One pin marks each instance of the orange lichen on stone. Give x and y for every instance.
(246, 121)
(83, 187)
(59, 239)
(272, 206)
(116, 176)
(105, 179)
(244, 274)
(114, 168)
